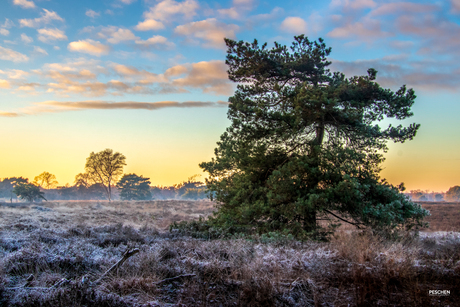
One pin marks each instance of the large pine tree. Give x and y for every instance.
(304, 143)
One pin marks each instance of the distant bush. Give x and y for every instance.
(453, 194)
(29, 192)
(134, 187)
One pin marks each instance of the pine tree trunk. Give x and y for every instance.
(309, 220)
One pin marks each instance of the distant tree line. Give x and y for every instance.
(451, 195)
(103, 179)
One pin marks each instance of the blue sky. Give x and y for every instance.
(148, 78)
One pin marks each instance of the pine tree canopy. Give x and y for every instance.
(305, 144)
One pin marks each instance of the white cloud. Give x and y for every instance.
(77, 76)
(47, 35)
(122, 35)
(40, 50)
(128, 1)
(26, 39)
(4, 84)
(157, 41)
(239, 8)
(47, 17)
(92, 14)
(230, 12)
(403, 8)
(115, 35)
(294, 25)
(166, 9)
(149, 24)
(28, 87)
(15, 73)
(210, 77)
(144, 77)
(56, 48)
(11, 55)
(210, 30)
(4, 32)
(243, 2)
(7, 24)
(367, 29)
(24, 4)
(353, 4)
(89, 46)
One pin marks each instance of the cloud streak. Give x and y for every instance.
(52, 106)
(131, 105)
(394, 72)
(9, 114)
(210, 30)
(47, 35)
(167, 9)
(46, 18)
(24, 4)
(210, 77)
(11, 55)
(238, 10)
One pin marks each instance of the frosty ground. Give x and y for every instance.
(52, 254)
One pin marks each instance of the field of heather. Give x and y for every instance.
(444, 216)
(66, 254)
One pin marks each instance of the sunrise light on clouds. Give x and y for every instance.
(148, 78)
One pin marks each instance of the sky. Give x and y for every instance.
(147, 78)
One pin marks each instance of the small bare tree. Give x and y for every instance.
(105, 167)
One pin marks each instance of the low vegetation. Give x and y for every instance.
(53, 254)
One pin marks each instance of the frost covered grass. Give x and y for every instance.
(61, 214)
(66, 253)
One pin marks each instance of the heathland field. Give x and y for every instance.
(56, 254)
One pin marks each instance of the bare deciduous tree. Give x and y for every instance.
(46, 180)
(105, 167)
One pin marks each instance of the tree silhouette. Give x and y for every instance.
(46, 180)
(105, 167)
